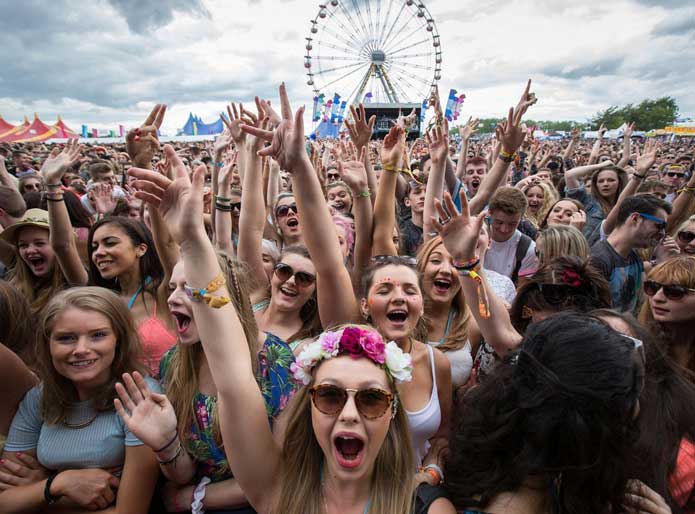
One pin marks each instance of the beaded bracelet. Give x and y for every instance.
(466, 265)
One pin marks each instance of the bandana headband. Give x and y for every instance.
(357, 343)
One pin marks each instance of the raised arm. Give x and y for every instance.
(360, 131)
(223, 225)
(336, 301)
(627, 140)
(459, 232)
(385, 204)
(569, 151)
(681, 204)
(256, 462)
(253, 215)
(354, 174)
(644, 163)
(470, 128)
(596, 149)
(273, 185)
(62, 237)
(574, 176)
(438, 141)
(220, 145)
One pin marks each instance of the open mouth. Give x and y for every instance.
(348, 450)
(288, 292)
(293, 222)
(83, 363)
(397, 316)
(182, 321)
(339, 205)
(475, 183)
(441, 285)
(36, 261)
(103, 264)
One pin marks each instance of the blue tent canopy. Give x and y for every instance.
(327, 130)
(195, 127)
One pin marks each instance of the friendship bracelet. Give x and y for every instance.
(223, 208)
(176, 435)
(203, 295)
(466, 265)
(54, 199)
(686, 189)
(219, 198)
(641, 177)
(179, 450)
(483, 301)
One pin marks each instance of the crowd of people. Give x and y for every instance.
(276, 324)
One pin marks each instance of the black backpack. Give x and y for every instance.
(521, 249)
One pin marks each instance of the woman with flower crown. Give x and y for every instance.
(346, 447)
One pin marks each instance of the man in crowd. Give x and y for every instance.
(476, 169)
(511, 253)
(673, 175)
(641, 223)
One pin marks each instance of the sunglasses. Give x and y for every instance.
(284, 272)
(672, 292)
(236, 206)
(673, 174)
(660, 224)
(283, 210)
(332, 177)
(685, 236)
(371, 403)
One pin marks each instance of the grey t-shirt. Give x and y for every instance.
(101, 444)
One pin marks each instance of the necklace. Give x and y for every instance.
(82, 424)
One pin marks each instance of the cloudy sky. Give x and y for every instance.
(105, 62)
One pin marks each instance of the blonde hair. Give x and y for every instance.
(58, 391)
(458, 331)
(685, 224)
(182, 380)
(550, 196)
(561, 241)
(302, 463)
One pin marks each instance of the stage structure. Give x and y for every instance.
(385, 54)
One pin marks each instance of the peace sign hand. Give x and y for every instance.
(460, 231)
(143, 142)
(148, 415)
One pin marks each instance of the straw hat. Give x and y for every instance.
(31, 218)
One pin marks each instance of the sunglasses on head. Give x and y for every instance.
(660, 224)
(686, 236)
(371, 403)
(284, 272)
(671, 291)
(283, 210)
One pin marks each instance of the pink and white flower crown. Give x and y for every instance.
(355, 342)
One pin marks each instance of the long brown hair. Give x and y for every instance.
(458, 331)
(680, 271)
(37, 290)
(58, 391)
(17, 323)
(302, 462)
(607, 204)
(182, 380)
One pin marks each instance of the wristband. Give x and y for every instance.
(50, 499)
(483, 301)
(466, 265)
(433, 473)
(176, 435)
(220, 164)
(506, 157)
(436, 468)
(365, 194)
(223, 199)
(203, 295)
(179, 450)
(223, 207)
(686, 189)
(199, 496)
(641, 177)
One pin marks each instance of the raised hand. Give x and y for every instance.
(222, 142)
(602, 131)
(148, 415)
(666, 248)
(267, 109)
(354, 172)
(393, 147)
(509, 133)
(647, 159)
(460, 231)
(58, 162)
(640, 498)
(102, 196)
(224, 179)
(179, 201)
(233, 125)
(470, 128)
(438, 142)
(527, 100)
(360, 129)
(287, 146)
(143, 142)
(629, 130)
(576, 132)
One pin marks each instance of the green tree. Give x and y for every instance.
(648, 115)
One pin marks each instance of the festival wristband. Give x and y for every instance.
(365, 194)
(220, 164)
(199, 496)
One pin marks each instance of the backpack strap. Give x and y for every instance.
(425, 496)
(521, 249)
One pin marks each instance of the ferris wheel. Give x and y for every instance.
(381, 51)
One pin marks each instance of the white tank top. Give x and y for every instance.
(461, 363)
(425, 423)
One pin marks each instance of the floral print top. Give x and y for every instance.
(277, 387)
